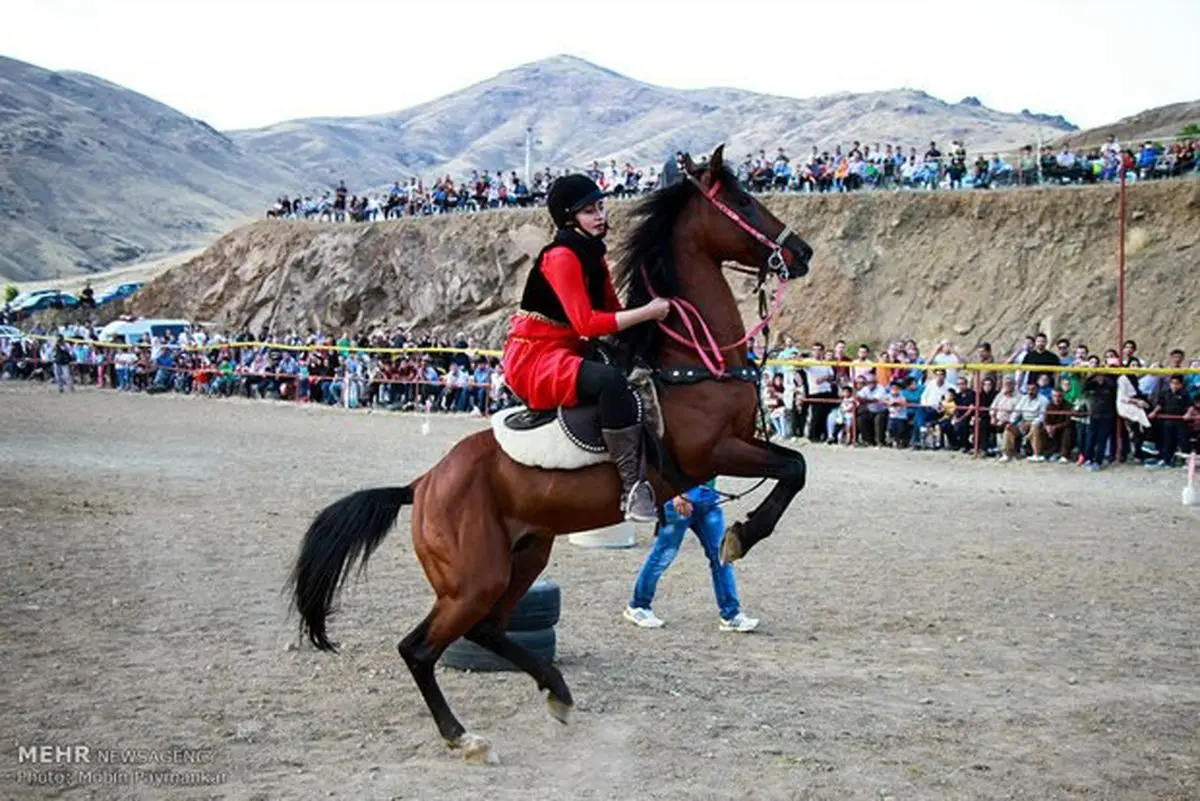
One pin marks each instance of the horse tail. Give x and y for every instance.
(340, 534)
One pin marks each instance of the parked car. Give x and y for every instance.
(117, 292)
(24, 297)
(134, 331)
(51, 299)
(8, 332)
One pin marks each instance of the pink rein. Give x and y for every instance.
(686, 311)
(711, 354)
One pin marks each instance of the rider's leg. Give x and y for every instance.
(605, 385)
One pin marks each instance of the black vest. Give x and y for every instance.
(539, 297)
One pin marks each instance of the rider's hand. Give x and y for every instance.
(683, 507)
(658, 308)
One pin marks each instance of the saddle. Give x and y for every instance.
(569, 438)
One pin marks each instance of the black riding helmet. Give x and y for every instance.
(568, 195)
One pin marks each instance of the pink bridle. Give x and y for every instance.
(710, 353)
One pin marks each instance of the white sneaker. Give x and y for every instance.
(642, 617)
(1036, 458)
(739, 622)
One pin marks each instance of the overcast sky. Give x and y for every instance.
(247, 63)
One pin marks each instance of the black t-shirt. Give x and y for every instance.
(1173, 402)
(1102, 390)
(1044, 359)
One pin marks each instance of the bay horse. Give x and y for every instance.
(483, 524)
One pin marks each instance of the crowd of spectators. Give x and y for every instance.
(1015, 411)
(430, 373)
(843, 169)
(476, 192)
(896, 398)
(891, 167)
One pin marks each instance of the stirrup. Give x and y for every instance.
(633, 514)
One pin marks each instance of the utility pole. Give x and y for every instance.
(529, 143)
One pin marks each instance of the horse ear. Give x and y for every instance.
(716, 162)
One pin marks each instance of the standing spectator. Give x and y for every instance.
(962, 422)
(1100, 389)
(699, 510)
(822, 393)
(1040, 357)
(897, 407)
(62, 365)
(944, 354)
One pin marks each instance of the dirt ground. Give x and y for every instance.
(933, 627)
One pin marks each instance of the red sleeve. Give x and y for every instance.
(565, 274)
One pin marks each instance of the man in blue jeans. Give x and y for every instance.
(698, 510)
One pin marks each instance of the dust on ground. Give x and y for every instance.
(933, 627)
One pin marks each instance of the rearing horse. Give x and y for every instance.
(483, 525)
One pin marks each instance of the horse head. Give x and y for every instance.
(739, 228)
(698, 219)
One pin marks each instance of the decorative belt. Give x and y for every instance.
(541, 318)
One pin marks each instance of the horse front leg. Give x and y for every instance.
(757, 459)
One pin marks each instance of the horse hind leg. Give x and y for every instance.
(420, 657)
(469, 571)
(424, 646)
(528, 561)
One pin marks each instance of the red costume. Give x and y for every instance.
(565, 303)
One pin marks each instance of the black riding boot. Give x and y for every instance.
(625, 448)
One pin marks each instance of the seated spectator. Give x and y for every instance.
(1169, 413)
(1059, 427)
(1029, 415)
(872, 413)
(1002, 415)
(929, 407)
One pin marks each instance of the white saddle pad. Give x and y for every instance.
(546, 446)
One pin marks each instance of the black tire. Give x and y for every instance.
(466, 655)
(538, 609)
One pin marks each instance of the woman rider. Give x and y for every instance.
(568, 298)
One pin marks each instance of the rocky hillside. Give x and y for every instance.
(581, 111)
(93, 175)
(968, 265)
(1163, 122)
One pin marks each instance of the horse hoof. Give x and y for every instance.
(731, 547)
(476, 750)
(559, 709)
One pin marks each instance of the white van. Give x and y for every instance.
(132, 332)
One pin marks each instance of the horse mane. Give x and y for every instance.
(647, 261)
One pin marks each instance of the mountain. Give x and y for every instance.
(1162, 122)
(93, 175)
(580, 112)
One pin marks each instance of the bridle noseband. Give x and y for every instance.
(779, 259)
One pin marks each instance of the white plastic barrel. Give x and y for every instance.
(622, 535)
